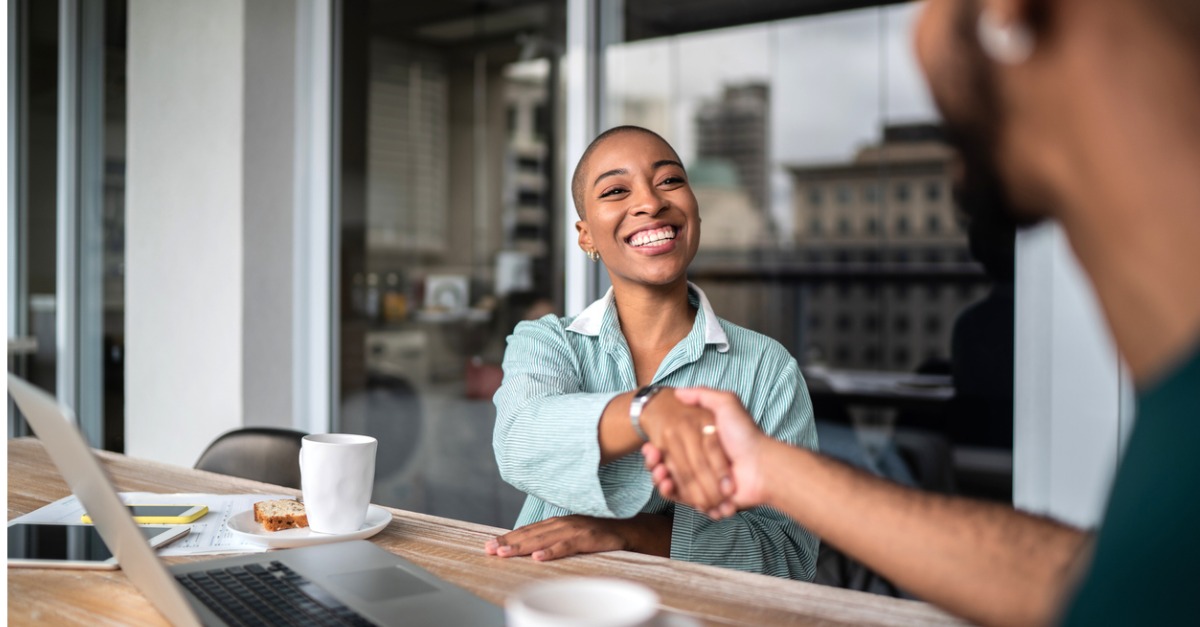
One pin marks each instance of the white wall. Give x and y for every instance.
(228, 221)
(1072, 400)
(184, 237)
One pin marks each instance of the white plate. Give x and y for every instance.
(243, 526)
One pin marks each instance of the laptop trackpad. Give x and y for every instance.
(382, 584)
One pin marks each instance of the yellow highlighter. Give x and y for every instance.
(163, 514)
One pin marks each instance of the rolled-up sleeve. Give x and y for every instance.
(546, 439)
(762, 539)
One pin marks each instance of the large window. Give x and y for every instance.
(823, 180)
(449, 205)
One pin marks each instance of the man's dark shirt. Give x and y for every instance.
(1144, 570)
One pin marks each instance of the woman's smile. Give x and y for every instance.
(653, 240)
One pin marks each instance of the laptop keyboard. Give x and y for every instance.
(255, 595)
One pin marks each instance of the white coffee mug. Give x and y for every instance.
(337, 472)
(582, 602)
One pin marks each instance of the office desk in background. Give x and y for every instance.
(905, 391)
(450, 549)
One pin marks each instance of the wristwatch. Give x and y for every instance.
(640, 398)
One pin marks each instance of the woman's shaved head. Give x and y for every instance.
(577, 179)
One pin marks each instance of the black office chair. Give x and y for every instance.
(261, 453)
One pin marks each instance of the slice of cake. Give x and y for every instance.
(280, 514)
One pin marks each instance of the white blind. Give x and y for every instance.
(407, 150)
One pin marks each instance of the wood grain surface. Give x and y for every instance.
(449, 548)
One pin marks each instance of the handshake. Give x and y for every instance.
(705, 451)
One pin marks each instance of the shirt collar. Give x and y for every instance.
(591, 321)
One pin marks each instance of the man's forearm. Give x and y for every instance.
(984, 561)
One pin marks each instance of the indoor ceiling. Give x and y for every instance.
(462, 21)
(659, 18)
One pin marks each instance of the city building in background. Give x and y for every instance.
(736, 128)
(889, 212)
(732, 221)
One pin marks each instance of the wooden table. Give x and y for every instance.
(449, 548)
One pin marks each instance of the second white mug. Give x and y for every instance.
(337, 473)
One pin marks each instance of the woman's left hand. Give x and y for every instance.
(564, 536)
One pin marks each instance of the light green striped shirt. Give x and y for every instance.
(560, 374)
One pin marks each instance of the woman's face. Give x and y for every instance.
(639, 211)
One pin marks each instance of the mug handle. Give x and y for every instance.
(302, 471)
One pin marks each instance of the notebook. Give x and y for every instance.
(344, 583)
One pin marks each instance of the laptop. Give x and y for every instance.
(346, 583)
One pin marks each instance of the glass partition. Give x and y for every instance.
(449, 204)
(825, 189)
(93, 178)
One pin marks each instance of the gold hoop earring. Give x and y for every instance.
(593, 255)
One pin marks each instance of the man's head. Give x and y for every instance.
(1015, 112)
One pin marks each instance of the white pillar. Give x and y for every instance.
(227, 297)
(268, 312)
(184, 221)
(1072, 400)
(582, 103)
(315, 251)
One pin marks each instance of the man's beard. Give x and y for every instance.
(974, 131)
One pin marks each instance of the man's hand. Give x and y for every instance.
(564, 536)
(984, 561)
(741, 441)
(684, 438)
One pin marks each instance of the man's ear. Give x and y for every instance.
(585, 236)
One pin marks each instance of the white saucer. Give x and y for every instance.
(243, 526)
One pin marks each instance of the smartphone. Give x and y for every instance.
(35, 545)
(163, 514)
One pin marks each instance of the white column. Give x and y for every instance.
(228, 257)
(314, 255)
(268, 193)
(591, 25)
(1072, 400)
(582, 104)
(185, 231)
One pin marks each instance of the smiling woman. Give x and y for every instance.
(582, 395)
(636, 207)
